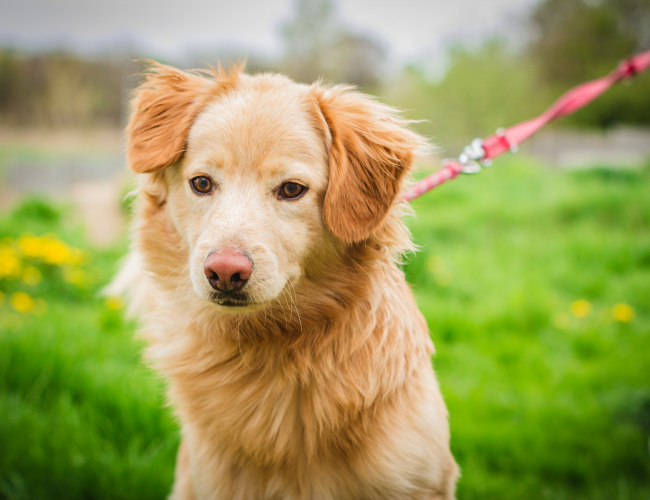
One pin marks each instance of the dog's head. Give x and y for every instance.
(262, 179)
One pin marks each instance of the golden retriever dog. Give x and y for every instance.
(264, 266)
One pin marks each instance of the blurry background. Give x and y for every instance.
(534, 276)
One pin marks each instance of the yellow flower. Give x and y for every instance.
(50, 249)
(441, 274)
(75, 276)
(623, 313)
(32, 276)
(30, 246)
(78, 257)
(114, 303)
(581, 308)
(435, 263)
(561, 321)
(9, 262)
(22, 302)
(56, 252)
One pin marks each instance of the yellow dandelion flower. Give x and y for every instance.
(442, 275)
(75, 276)
(30, 246)
(581, 308)
(78, 257)
(50, 249)
(32, 276)
(443, 278)
(561, 321)
(114, 303)
(22, 302)
(56, 252)
(9, 263)
(623, 313)
(435, 263)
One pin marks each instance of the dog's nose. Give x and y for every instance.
(227, 270)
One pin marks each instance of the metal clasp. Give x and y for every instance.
(471, 155)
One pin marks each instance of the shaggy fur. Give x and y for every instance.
(321, 387)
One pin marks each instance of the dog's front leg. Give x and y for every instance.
(183, 489)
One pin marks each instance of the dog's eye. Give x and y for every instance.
(202, 184)
(291, 190)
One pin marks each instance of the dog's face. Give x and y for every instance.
(250, 190)
(265, 177)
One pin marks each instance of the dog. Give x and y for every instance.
(267, 237)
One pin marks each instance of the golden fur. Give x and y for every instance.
(322, 388)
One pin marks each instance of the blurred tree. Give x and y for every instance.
(62, 90)
(482, 89)
(10, 82)
(578, 40)
(318, 44)
(634, 18)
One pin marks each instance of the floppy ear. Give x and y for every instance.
(164, 107)
(369, 154)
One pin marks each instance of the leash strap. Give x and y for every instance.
(481, 151)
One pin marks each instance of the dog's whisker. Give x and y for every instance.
(282, 306)
(264, 311)
(173, 271)
(185, 280)
(285, 293)
(294, 303)
(286, 324)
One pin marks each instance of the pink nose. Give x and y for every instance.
(227, 270)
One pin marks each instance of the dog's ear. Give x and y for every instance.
(164, 107)
(370, 152)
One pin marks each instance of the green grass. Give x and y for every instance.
(543, 404)
(80, 415)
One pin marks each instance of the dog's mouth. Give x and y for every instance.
(231, 299)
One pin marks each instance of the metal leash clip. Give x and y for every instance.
(471, 155)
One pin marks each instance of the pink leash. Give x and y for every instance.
(481, 151)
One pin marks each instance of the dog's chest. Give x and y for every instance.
(272, 415)
(263, 433)
(316, 430)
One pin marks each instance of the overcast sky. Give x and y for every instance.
(408, 28)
